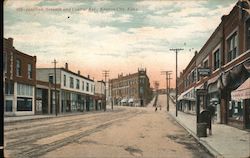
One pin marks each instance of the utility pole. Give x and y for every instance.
(54, 62)
(176, 80)
(106, 74)
(156, 85)
(167, 73)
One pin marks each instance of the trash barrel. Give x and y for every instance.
(201, 129)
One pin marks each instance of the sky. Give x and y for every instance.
(119, 36)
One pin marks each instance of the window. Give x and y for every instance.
(9, 87)
(82, 85)
(18, 67)
(64, 80)
(51, 80)
(205, 64)
(71, 82)
(77, 84)
(24, 90)
(29, 71)
(87, 87)
(8, 107)
(141, 90)
(232, 47)
(24, 104)
(39, 93)
(216, 59)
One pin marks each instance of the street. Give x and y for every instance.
(124, 132)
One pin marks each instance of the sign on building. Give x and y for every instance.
(203, 71)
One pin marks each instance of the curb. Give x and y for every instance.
(210, 149)
(49, 117)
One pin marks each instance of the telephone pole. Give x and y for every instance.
(176, 80)
(167, 73)
(54, 62)
(106, 74)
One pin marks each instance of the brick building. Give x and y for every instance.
(133, 89)
(19, 80)
(226, 55)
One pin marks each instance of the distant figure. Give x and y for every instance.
(155, 108)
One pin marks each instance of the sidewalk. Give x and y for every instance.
(225, 141)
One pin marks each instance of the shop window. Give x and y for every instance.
(24, 104)
(24, 90)
(236, 110)
(18, 67)
(39, 93)
(232, 47)
(8, 105)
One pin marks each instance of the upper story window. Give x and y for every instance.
(205, 64)
(77, 84)
(51, 79)
(232, 47)
(18, 67)
(216, 60)
(29, 71)
(64, 80)
(87, 87)
(71, 82)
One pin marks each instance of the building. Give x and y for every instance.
(132, 89)
(74, 92)
(19, 80)
(220, 67)
(99, 95)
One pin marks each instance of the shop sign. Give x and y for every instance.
(201, 92)
(203, 71)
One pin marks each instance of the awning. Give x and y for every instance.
(242, 92)
(131, 100)
(186, 96)
(213, 80)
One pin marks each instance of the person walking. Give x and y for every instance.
(155, 108)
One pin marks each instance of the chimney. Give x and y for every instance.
(66, 66)
(11, 41)
(195, 53)
(88, 76)
(79, 72)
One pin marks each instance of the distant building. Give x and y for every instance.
(19, 80)
(99, 95)
(133, 89)
(74, 91)
(226, 55)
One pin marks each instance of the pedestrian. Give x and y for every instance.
(155, 108)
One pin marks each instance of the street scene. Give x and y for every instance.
(123, 132)
(106, 78)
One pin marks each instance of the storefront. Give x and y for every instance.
(239, 106)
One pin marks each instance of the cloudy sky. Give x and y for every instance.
(119, 36)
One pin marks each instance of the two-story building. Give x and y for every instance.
(74, 91)
(226, 55)
(19, 79)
